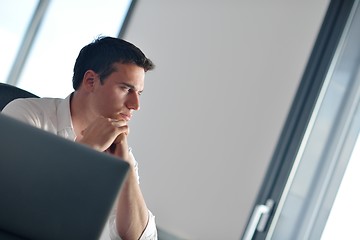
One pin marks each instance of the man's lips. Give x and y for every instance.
(126, 117)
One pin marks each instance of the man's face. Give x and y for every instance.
(119, 95)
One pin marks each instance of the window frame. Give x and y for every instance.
(301, 110)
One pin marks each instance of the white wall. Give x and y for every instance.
(213, 109)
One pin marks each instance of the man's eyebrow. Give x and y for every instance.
(130, 86)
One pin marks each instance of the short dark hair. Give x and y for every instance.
(102, 53)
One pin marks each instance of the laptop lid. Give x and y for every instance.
(53, 188)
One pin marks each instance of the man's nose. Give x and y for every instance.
(133, 101)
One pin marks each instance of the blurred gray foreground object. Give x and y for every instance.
(53, 188)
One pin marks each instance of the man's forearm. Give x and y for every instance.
(132, 212)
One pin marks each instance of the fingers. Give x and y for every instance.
(120, 145)
(102, 132)
(121, 148)
(121, 139)
(121, 125)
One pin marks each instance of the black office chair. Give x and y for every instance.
(9, 93)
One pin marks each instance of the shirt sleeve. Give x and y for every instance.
(21, 110)
(150, 232)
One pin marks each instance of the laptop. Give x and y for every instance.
(53, 188)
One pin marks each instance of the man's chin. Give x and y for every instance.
(120, 118)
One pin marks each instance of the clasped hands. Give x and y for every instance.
(108, 135)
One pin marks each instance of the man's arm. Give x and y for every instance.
(131, 213)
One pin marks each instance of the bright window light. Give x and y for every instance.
(66, 28)
(13, 25)
(343, 218)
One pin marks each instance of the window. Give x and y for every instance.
(311, 166)
(67, 26)
(342, 222)
(13, 27)
(326, 149)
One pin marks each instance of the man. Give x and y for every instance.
(108, 81)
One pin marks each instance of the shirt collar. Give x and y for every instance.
(65, 126)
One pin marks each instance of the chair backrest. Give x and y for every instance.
(9, 93)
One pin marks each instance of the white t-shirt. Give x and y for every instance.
(53, 115)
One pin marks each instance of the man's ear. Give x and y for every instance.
(89, 80)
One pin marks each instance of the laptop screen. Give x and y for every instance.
(53, 188)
